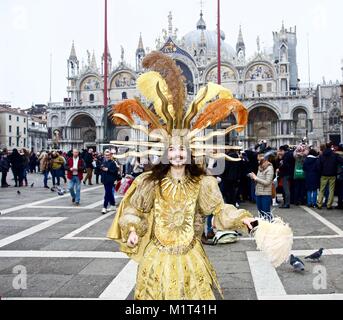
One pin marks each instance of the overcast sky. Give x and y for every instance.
(32, 29)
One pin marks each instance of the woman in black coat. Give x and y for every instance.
(312, 177)
(17, 164)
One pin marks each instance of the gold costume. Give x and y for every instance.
(169, 221)
(168, 215)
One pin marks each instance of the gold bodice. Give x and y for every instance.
(174, 212)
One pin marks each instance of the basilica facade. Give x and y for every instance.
(280, 110)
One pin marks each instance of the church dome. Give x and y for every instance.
(201, 36)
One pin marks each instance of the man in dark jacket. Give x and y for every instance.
(88, 159)
(286, 172)
(328, 164)
(230, 179)
(4, 168)
(109, 176)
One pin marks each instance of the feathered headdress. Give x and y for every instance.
(163, 86)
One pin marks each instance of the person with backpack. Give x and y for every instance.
(56, 164)
(300, 154)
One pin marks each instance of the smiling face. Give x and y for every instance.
(177, 155)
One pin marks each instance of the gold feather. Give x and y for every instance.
(213, 90)
(147, 83)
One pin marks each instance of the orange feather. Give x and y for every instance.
(132, 106)
(219, 110)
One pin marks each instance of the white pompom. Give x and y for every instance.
(275, 239)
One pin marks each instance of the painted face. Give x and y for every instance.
(177, 155)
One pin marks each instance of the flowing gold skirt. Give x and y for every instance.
(163, 276)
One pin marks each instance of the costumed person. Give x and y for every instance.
(160, 220)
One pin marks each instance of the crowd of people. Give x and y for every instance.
(302, 174)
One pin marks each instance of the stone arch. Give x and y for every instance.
(54, 121)
(298, 109)
(226, 67)
(267, 105)
(122, 79)
(259, 70)
(90, 82)
(262, 123)
(334, 117)
(77, 114)
(84, 127)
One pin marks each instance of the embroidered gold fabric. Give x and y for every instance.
(169, 222)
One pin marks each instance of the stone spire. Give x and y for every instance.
(240, 46)
(73, 53)
(140, 54)
(93, 63)
(140, 43)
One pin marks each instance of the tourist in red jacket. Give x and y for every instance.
(75, 167)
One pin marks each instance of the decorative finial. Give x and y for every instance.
(258, 44)
(170, 24)
(122, 54)
(88, 58)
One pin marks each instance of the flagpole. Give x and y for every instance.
(105, 76)
(219, 46)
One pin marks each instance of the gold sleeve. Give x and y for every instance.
(132, 220)
(226, 217)
(134, 216)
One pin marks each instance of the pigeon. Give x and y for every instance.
(315, 256)
(32, 184)
(297, 264)
(18, 192)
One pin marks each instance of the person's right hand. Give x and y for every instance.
(132, 241)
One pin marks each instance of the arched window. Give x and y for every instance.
(335, 116)
(124, 95)
(91, 97)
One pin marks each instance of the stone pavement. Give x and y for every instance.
(65, 253)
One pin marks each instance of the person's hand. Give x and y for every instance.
(253, 176)
(132, 241)
(248, 221)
